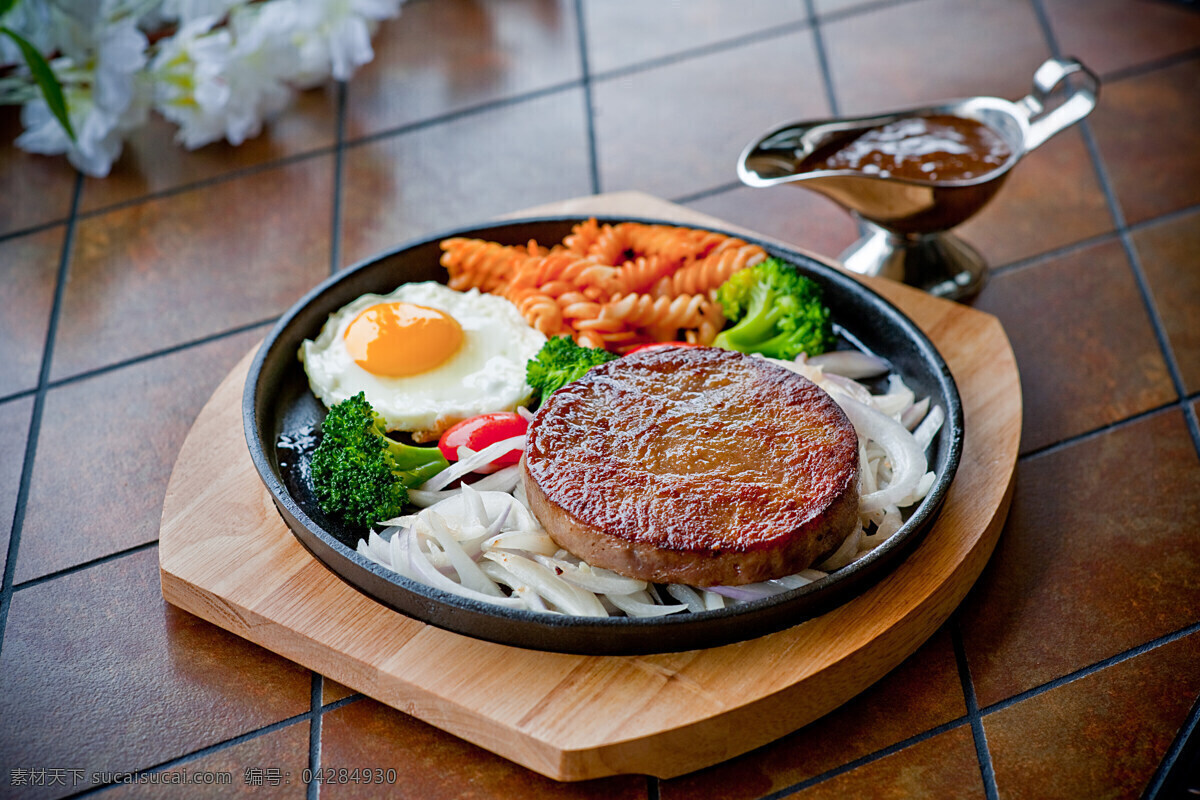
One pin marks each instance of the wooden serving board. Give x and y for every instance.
(227, 556)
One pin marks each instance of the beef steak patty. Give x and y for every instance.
(693, 465)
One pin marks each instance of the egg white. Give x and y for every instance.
(485, 375)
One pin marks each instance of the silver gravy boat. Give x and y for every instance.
(906, 222)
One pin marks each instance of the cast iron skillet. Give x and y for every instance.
(280, 415)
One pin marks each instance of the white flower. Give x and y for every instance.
(104, 99)
(227, 82)
(336, 36)
(230, 66)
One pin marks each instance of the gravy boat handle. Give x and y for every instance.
(1079, 102)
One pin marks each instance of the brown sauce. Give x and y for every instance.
(938, 147)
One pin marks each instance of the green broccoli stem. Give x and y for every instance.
(410, 457)
(759, 322)
(415, 465)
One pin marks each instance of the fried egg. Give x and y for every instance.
(425, 356)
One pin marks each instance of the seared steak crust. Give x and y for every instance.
(693, 465)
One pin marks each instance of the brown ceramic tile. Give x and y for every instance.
(498, 49)
(1083, 340)
(1100, 736)
(432, 764)
(920, 694)
(28, 275)
(332, 691)
(153, 161)
(939, 768)
(98, 673)
(105, 453)
(462, 172)
(1098, 556)
(827, 7)
(624, 32)
(14, 429)
(802, 218)
(267, 767)
(173, 270)
(1109, 35)
(1148, 131)
(34, 189)
(1052, 198)
(678, 129)
(1168, 255)
(931, 50)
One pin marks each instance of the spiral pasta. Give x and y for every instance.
(614, 286)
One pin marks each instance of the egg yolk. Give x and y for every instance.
(398, 339)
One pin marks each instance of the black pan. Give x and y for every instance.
(280, 414)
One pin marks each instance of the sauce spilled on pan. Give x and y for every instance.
(938, 147)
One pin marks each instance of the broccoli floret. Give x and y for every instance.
(776, 311)
(561, 361)
(359, 473)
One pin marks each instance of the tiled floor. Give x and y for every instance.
(1071, 671)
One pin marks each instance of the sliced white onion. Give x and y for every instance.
(567, 598)
(365, 551)
(906, 456)
(897, 398)
(468, 571)
(837, 385)
(914, 413)
(688, 596)
(423, 571)
(635, 607)
(929, 426)
(850, 364)
(528, 541)
(792, 581)
(713, 601)
(749, 591)
(593, 579)
(377, 546)
(844, 554)
(499, 574)
(465, 467)
(503, 480)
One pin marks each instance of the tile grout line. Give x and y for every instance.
(339, 159)
(196, 755)
(1146, 67)
(35, 417)
(869, 758)
(959, 722)
(877, 755)
(135, 360)
(822, 58)
(1118, 217)
(700, 51)
(1167, 763)
(1091, 669)
(1165, 774)
(987, 770)
(1118, 75)
(95, 562)
(312, 788)
(589, 105)
(1061, 444)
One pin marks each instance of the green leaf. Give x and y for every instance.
(45, 77)
(7, 6)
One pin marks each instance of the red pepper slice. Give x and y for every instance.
(479, 432)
